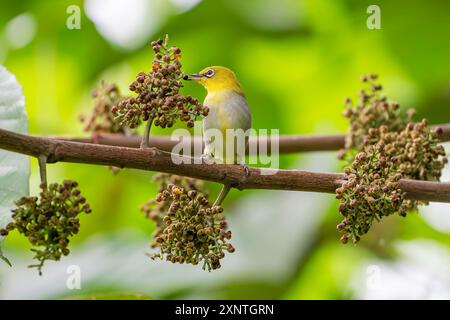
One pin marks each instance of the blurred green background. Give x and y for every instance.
(297, 60)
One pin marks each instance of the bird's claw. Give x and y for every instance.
(208, 159)
(246, 169)
(96, 137)
(155, 151)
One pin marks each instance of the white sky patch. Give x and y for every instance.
(126, 23)
(437, 214)
(20, 30)
(422, 271)
(184, 5)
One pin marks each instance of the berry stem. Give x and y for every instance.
(146, 137)
(223, 193)
(43, 170)
(2, 257)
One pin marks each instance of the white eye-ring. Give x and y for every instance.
(209, 73)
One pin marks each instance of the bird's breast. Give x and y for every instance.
(228, 110)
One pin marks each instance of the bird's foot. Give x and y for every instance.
(96, 137)
(246, 170)
(208, 159)
(155, 151)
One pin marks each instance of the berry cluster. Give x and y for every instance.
(414, 152)
(158, 98)
(155, 210)
(49, 220)
(188, 228)
(369, 193)
(371, 111)
(389, 152)
(102, 119)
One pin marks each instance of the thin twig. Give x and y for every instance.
(147, 159)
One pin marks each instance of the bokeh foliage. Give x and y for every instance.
(297, 61)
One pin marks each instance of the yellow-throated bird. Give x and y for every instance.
(228, 110)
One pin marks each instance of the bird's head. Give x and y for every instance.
(216, 78)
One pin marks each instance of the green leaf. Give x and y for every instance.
(14, 167)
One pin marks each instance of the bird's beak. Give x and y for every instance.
(193, 76)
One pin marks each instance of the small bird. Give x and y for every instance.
(228, 109)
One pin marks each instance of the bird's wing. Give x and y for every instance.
(228, 110)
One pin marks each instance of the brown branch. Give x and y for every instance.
(148, 159)
(287, 144)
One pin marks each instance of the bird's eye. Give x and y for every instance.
(209, 73)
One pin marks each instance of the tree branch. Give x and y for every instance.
(148, 159)
(287, 144)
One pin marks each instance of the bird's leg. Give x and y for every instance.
(96, 137)
(246, 168)
(208, 158)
